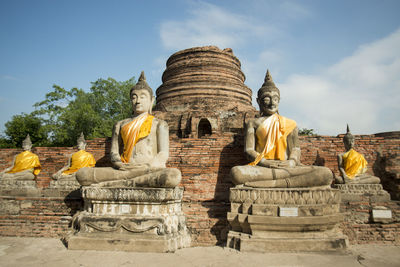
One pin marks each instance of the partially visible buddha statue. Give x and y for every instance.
(76, 161)
(139, 149)
(26, 165)
(272, 147)
(352, 165)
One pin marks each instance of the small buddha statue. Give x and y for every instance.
(139, 149)
(352, 165)
(26, 165)
(76, 161)
(272, 147)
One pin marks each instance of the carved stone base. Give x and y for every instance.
(130, 219)
(331, 240)
(363, 192)
(11, 187)
(285, 219)
(64, 184)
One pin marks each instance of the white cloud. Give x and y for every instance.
(362, 90)
(210, 25)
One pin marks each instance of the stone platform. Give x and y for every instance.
(65, 184)
(285, 219)
(130, 219)
(363, 192)
(12, 187)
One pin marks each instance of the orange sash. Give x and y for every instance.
(26, 160)
(132, 132)
(354, 163)
(271, 138)
(79, 160)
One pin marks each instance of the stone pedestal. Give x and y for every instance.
(130, 219)
(11, 187)
(63, 188)
(285, 219)
(65, 184)
(363, 192)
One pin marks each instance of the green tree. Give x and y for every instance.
(21, 125)
(308, 132)
(66, 113)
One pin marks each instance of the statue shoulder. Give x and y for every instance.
(254, 122)
(120, 123)
(159, 123)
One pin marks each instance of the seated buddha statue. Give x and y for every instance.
(26, 165)
(76, 161)
(139, 149)
(272, 147)
(352, 165)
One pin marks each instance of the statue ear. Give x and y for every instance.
(152, 103)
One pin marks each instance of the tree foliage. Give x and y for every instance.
(64, 114)
(307, 132)
(20, 126)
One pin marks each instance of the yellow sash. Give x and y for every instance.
(132, 132)
(271, 138)
(354, 163)
(26, 160)
(79, 160)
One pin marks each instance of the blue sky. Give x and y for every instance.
(335, 62)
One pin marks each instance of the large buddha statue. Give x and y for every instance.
(352, 165)
(26, 165)
(272, 147)
(76, 161)
(139, 149)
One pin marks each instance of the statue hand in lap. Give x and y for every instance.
(272, 147)
(352, 165)
(139, 148)
(26, 165)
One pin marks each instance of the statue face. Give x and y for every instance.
(269, 102)
(141, 101)
(349, 143)
(26, 147)
(81, 145)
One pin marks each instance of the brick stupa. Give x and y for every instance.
(204, 87)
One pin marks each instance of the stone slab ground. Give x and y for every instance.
(17, 251)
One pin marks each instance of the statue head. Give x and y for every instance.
(348, 139)
(268, 96)
(27, 143)
(81, 142)
(142, 97)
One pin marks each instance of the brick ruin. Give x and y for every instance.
(206, 104)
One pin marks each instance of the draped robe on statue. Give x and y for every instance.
(132, 132)
(25, 161)
(80, 160)
(271, 138)
(354, 163)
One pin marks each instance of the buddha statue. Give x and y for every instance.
(352, 165)
(139, 149)
(272, 147)
(76, 161)
(26, 165)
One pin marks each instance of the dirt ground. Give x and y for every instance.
(42, 252)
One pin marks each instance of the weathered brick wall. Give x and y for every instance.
(382, 154)
(205, 164)
(36, 216)
(360, 228)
